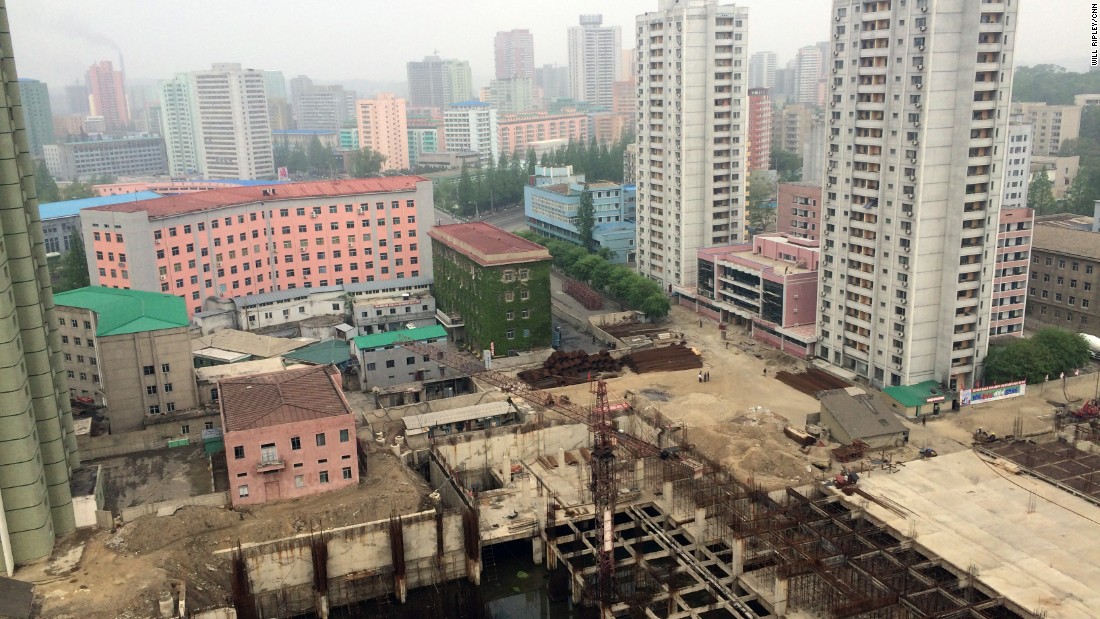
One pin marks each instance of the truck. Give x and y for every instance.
(1094, 344)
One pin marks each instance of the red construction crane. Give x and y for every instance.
(599, 419)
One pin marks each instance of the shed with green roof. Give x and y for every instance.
(925, 398)
(385, 363)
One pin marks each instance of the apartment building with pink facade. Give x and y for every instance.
(768, 286)
(760, 129)
(288, 434)
(1010, 276)
(383, 128)
(515, 132)
(798, 210)
(250, 240)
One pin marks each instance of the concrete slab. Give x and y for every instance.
(1033, 543)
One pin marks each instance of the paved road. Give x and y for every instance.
(510, 219)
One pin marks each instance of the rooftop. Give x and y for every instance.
(235, 196)
(488, 245)
(247, 343)
(230, 370)
(861, 414)
(381, 340)
(919, 394)
(331, 352)
(470, 104)
(68, 208)
(1031, 542)
(289, 396)
(120, 311)
(1069, 241)
(478, 411)
(16, 599)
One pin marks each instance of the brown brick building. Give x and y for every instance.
(1064, 289)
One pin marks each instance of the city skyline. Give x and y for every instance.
(98, 30)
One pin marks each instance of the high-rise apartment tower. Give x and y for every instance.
(594, 56)
(515, 54)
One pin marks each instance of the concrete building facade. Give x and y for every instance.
(760, 130)
(692, 135)
(107, 95)
(134, 156)
(435, 82)
(807, 76)
(61, 220)
(177, 126)
(128, 350)
(1010, 279)
(383, 128)
(233, 128)
(915, 160)
(762, 70)
(594, 52)
(496, 283)
(1065, 278)
(472, 126)
(250, 240)
(387, 313)
(1051, 125)
(1017, 166)
(514, 52)
(39, 450)
(514, 95)
(288, 434)
(553, 81)
(37, 114)
(321, 107)
(517, 132)
(383, 362)
(798, 210)
(552, 199)
(791, 127)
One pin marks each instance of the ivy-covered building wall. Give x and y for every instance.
(507, 305)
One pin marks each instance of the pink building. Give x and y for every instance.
(760, 129)
(1011, 274)
(167, 188)
(770, 287)
(108, 95)
(288, 434)
(515, 132)
(250, 240)
(514, 51)
(798, 210)
(624, 100)
(609, 128)
(383, 128)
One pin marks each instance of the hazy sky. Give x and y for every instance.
(330, 40)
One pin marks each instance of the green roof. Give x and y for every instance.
(119, 311)
(332, 352)
(380, 340)
(918, 394)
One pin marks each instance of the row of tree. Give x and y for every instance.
(1045, 356)
(319, 161)
(621, 283)
(49, 191)
(502, 181)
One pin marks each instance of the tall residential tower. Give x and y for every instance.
(692, 134)
(595, 51)
(917, 112)
(514, 51)
(108, 95)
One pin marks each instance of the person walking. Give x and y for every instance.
(765, 371)
(700, 376)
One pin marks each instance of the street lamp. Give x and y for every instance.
(477, 213)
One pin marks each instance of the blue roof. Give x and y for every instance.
(303, 132)
(472, 103)
(68, 208)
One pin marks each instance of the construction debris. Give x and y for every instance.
(590, 299)
(667, 359)
(811, 381)
(570, 368)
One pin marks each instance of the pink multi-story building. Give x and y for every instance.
(250, 240)
(760, 129)
(108, 95)
(798, 210)
(288, 434)
(383, 128)
(769, 286)
(515, 132)
(608, 128)
(169, 188)
(1011, 274)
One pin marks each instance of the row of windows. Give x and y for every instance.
(84, 376)
(285, 212)
(73, 322)
(300, 482)
(1074, 265)
(1072, 300)
(80, 359)
(295, 443)
(168, 407)
(77, 341)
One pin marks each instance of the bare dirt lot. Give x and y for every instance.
(121, 574)
(154, 476)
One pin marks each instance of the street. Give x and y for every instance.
(510, 219)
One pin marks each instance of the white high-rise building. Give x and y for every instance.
(807, 75)
(917, 115)
(762, 70)
(1017, 166)
(472, 126)
(692, 134)
(595, 51)
(177, 126)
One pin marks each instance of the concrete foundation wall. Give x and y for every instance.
(217, 499)
(475, 451)
(152, 437)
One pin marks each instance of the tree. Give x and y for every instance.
(586, 218)
(1079, 197)
(73, 268)
(321, 160)
(44, 185)
(531, 161)
(366, 163)
(761, 191)
(1049, 353)
(1040, 195)
(787, 165)
(77, 190)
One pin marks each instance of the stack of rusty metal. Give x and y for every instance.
(590, 299)
(665, 359)
(570, 368)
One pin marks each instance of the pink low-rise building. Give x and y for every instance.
(288, 434)
(798, 210)
(516, 132)
(768, 286)
(1011, 274)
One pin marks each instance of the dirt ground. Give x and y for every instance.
(120, 574)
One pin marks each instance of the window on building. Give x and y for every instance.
(299, 481)
(390, 363)
(154, 409)
(510, 334)
(346, 472)
(323, 477)
(238, 452)
(295, 443)
(149, 370)
(320, 438)
(150, 390)
(344, 436)
(242, 490)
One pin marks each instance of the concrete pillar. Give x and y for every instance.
(577, 591)
(781, 585)
(639, 473)
(400, 588)
(668, 497)
(473, 571)
(737, 560)
(538, 550)
(320, 603)
(561, 456)
(699, 530)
